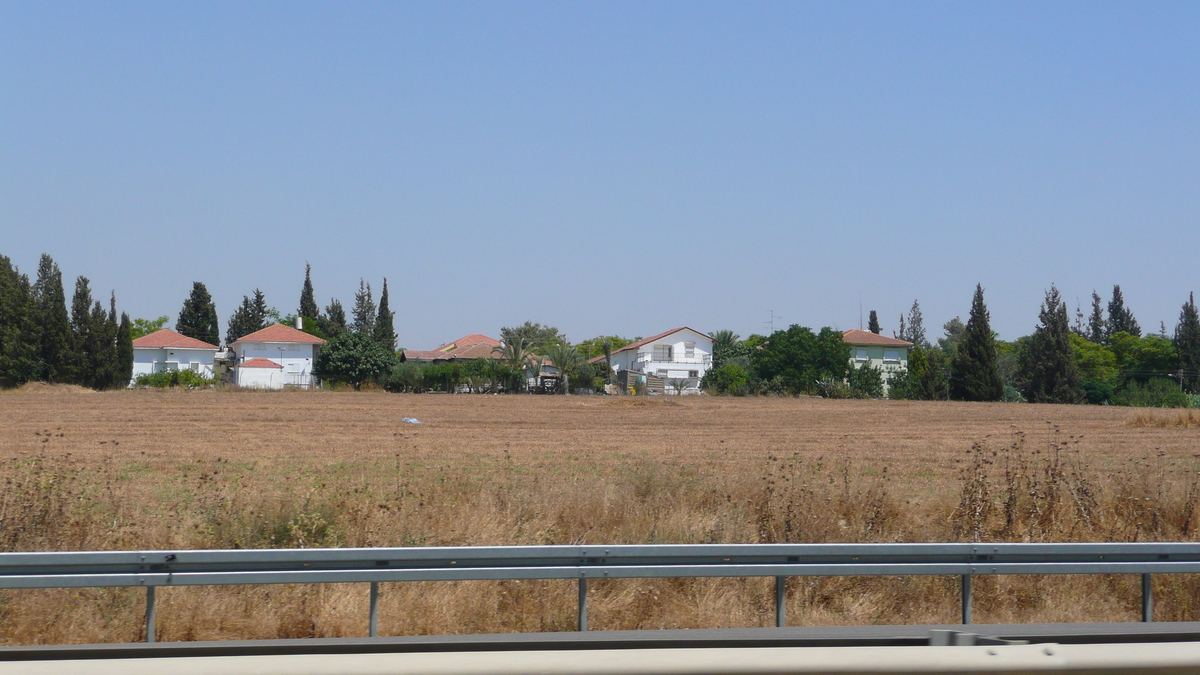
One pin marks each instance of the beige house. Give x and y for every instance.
(887, 354)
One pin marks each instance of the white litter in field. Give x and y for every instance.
(412, 420)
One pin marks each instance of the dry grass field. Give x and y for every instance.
(204, 469)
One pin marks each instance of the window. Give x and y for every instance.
(194, 366)
(689, 350)
(891, 355)
(663, 353)
(693, 373)
(661, 373)
(861, 354)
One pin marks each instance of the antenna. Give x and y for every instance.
(770, 322)
(860, 314)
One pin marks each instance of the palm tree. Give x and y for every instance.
(724, 344)
(514, 353)
(563, 357)
(535, 369)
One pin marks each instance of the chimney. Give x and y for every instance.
(299, 323)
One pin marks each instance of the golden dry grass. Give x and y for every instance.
(205, 469)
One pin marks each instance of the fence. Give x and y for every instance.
(154, 569)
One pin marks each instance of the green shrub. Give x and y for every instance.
(865, 381)
(406, 377)
(730, 379)
(173, 378)
(830, 387)
(1158, 392)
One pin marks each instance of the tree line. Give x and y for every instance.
(41, 340)
(1101, 358)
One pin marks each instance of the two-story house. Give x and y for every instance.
(681, 355)
(889, 355)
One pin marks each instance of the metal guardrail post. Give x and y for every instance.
(583, 603)
(1147, 599)
(374, 624)
(149, 614)
(966, 599)
(780, 602)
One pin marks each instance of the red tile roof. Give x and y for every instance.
(652, 338)
(170, 339)
(280, 333)
(866, 337)
(258, 363)
(469, 341)
(473, 346)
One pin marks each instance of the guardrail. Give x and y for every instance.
(154, 569)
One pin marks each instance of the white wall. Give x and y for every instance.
(148, 360)
(680, 366)
(296, 358)
(260, 378)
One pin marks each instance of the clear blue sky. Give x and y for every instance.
(607, 167)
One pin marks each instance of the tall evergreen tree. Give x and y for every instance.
(19, 332)
(198, 317)
(973, 372)
(251, 316)
(333, 323)
(873, 323)
(364, 310)
(89, 324)
(85, 338)
(385, 326)
(111, 358)
(124, 373)
(902, 334)
(1120, 317)
(1187, 344)
(56, 351)
(1097, 325)
(1048, 369)
(99, 350)
(308, 301)
(916, 327)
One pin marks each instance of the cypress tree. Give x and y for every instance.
(1048, 368)
(333, 323)
(55, 352)
(1120, 317)
(873, 323)
(198, 317)
(308, 302)
(364, 310)
(88, 324)
(973, 373)
(124, 373)
(260, 310)
(12, 317)
(109, 345)
(916, 327)
(385, 326)
(1097, 326)
(98, 350)
(1187, 344)
(251, 316)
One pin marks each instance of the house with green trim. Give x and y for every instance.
(889, 355)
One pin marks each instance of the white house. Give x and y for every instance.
(165, 350)
(276, 357)
(886, 354)
(681, 354)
